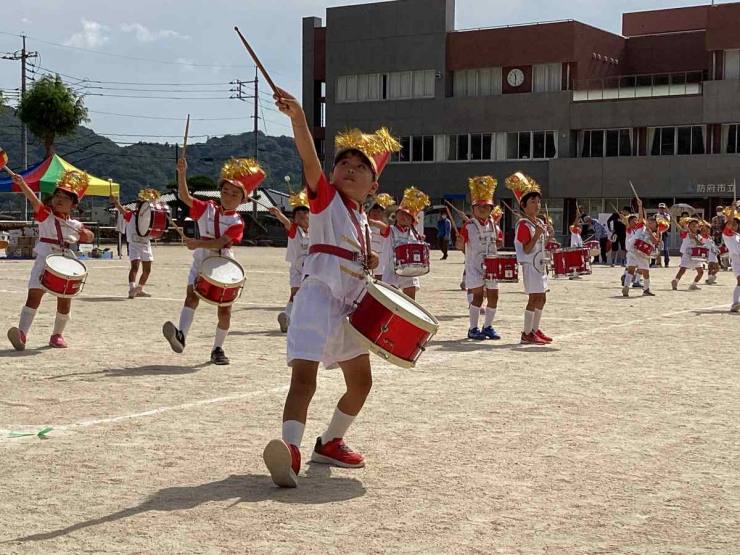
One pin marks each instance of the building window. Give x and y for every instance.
(419, 148)
(669, 141)
(481, 146)
(547, 78)
(477, 82)
(385, 86)
(732, 64)
(598, 143)
(731, 139)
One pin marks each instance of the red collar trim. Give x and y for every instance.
(483, 222)
(351, 204)
(402, 228)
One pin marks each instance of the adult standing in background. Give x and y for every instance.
(718, 225)
(601, 234)
(618, 228)
(444, 232)
(666, 215)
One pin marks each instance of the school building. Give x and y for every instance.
(582, 110)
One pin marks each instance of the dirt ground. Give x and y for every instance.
(622, 437)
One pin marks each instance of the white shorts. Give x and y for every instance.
(34, 281)
(318, 329)
(688, 263)
(140, 251)
(639, 262)
(736, 265)
(534, 281)
(296, 276)
(475, 278)
(402, 282)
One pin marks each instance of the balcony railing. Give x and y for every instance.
(639, 86)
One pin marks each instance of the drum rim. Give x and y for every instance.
(378, 350)
(418, 322)
(224, 285)
(64, 276)
(148, 205)
(216, 303)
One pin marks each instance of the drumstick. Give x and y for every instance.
(252, 199)
(456, 209)
(253, 54)
(452, 221)
(368, 252)
(185, 140)
(179, 230)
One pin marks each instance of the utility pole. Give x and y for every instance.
(256, 110)
(241, 95)
(23, 55)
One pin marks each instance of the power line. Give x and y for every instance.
(139, 116)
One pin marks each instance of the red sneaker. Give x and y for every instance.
(338, 453)
(532, 339)
(542, 336)
(57, 341)
(17, 338)
(283, 460)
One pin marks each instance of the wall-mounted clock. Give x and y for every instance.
(515, 78)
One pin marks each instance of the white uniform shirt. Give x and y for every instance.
(376, 242)
(132, 236)
(230, 223)
(393, 237)
(53, 231)
(480, 241)
(298, 242)
(732, 242)
(525, 230)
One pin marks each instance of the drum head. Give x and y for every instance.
(144, 219)
(388, 295)
(222, 270)
(65, 266)
(539, 262)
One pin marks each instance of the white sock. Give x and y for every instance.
(528, 320)
(338, 426)
(736, 295)
(629, 279)
(131, 285)
(186, 319)
(220, 337)
(474, 315)
(289, 308)
(293, 432)
(27, 316)
(646, 284)
(59, 322)
(490, 315)
(537, 319)
(470, 298)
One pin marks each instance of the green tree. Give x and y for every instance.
(51, 109)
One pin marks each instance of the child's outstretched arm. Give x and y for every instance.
(19, 182)
(182, 182)
(281, 218)
(289, 106)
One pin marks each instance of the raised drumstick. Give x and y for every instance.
(253, 54)
(185, 140)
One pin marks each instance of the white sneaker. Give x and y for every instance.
(694, 287)
(626, 291)
(283, 321)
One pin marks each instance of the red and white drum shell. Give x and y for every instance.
(552, 246)
(152, 219)
(220, 280)
(594, 248)
(63, 276)
(699, 254)
(391, 325)
(411, 259)
(643, 248)
(571, 261)
(501, 267)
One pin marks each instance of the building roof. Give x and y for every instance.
(264, 198)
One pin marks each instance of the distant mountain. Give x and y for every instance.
(153, 164)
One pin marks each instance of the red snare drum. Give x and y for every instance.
(151, 219)
(571, 261)
(699, 254)
(412, 259)
(391, 325)
(644, 248)
(594, 248)
(552, 246)
(501, 267)
(220, 280)
(63, 276)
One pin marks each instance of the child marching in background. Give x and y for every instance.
(58, 232)
(139, 248)
(731, 239)
(379, 221)
(707, 241)
(690, 235)
(402, 232)
(531, 235)
(648, 231)
(576, 239)
(481, 237)
(220, 227)
(336, 266)
(297, 250)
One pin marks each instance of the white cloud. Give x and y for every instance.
(93, 35)
(186, 64)
(144, 34)
(25, 20)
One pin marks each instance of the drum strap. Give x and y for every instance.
(333, 250)
(217, 224)
(54, 242)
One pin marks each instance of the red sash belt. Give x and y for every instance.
(333, 250)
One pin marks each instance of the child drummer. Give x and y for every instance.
(705, 233)
(58, 232)
(690, 236)
(531, 235)
(220, 227)
(731, 239)
(648, 231)
(481, 237)
(140, 248)
(335, 267)
(402, 232)
(379, 221)
(297, 250)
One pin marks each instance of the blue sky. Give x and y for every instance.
(187, 52)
